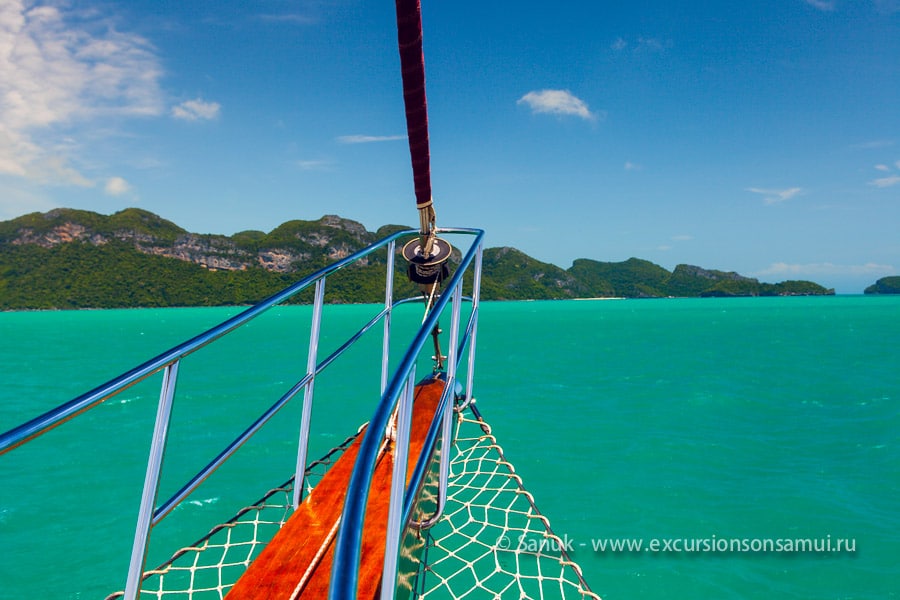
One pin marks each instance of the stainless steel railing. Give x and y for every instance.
(399, 395)
(402, 380)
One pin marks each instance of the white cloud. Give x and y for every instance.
(289, 18)
(557, 102)
(652, 44)
(314, 165)
(116, 186)
(884, 182)
(826, 5)
(17, 151)
(873, 144)
(368, 139)
(682, 238)
(641, 45)
(776, 196)
(195, 110)
(890, 180)
(61, 69)
(781, 269)
(630, 166)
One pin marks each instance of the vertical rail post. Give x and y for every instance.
(398, 488)
(311, 366)
(476, 295)
(151, 482)
(388, 307)
(454, 332)
(449, 394)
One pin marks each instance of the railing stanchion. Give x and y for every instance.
(398, 487)
(388, 307)
(151, 482)
(348, 542)
(449, 394)
(397, 394)
(311, 364)
(476, 294)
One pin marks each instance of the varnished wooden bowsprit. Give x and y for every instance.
(297, 561)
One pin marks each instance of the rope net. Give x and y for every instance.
(208, 568)
(492, 542)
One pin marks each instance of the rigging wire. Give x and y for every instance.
(427, 256)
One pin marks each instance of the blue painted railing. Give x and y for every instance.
(393, 387)
(398, 395)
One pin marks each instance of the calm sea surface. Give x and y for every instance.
(668, 420)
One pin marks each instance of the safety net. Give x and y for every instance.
(490, 542)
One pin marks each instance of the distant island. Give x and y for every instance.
(68, 258)
(885, 285)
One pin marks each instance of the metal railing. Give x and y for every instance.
(399, 396)
(401, 381)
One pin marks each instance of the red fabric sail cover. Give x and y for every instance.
(412, 68)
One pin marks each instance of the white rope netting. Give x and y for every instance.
(209, 568)
(491, 541)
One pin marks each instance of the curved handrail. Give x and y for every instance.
(204, 473)
(169, 361)
(62, 413)
(344, 574)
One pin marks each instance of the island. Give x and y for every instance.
(67, 258)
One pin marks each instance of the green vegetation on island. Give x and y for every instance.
(79, 259)
(885, 285)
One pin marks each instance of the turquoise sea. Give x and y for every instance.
(682, 419)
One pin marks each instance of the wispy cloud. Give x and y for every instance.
(289, 18)
(196, 110)
(781, 269)
(890, 180)
(61, 69)
(116, 186)
(641, 44)
(368, 139)
(872, 144)
(314, 165)
(884, 182)
(824, 5)
(557, 102)
(773, 196)
(15, 201)
(675, 238)
(630, 166)
(653, 44)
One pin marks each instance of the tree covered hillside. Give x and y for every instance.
(79, 259)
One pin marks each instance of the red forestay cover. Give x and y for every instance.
(412, 69)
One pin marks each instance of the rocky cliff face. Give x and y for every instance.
(302, 246)
(710, 274)
(331, 237)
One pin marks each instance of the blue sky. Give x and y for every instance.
(761, 137)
